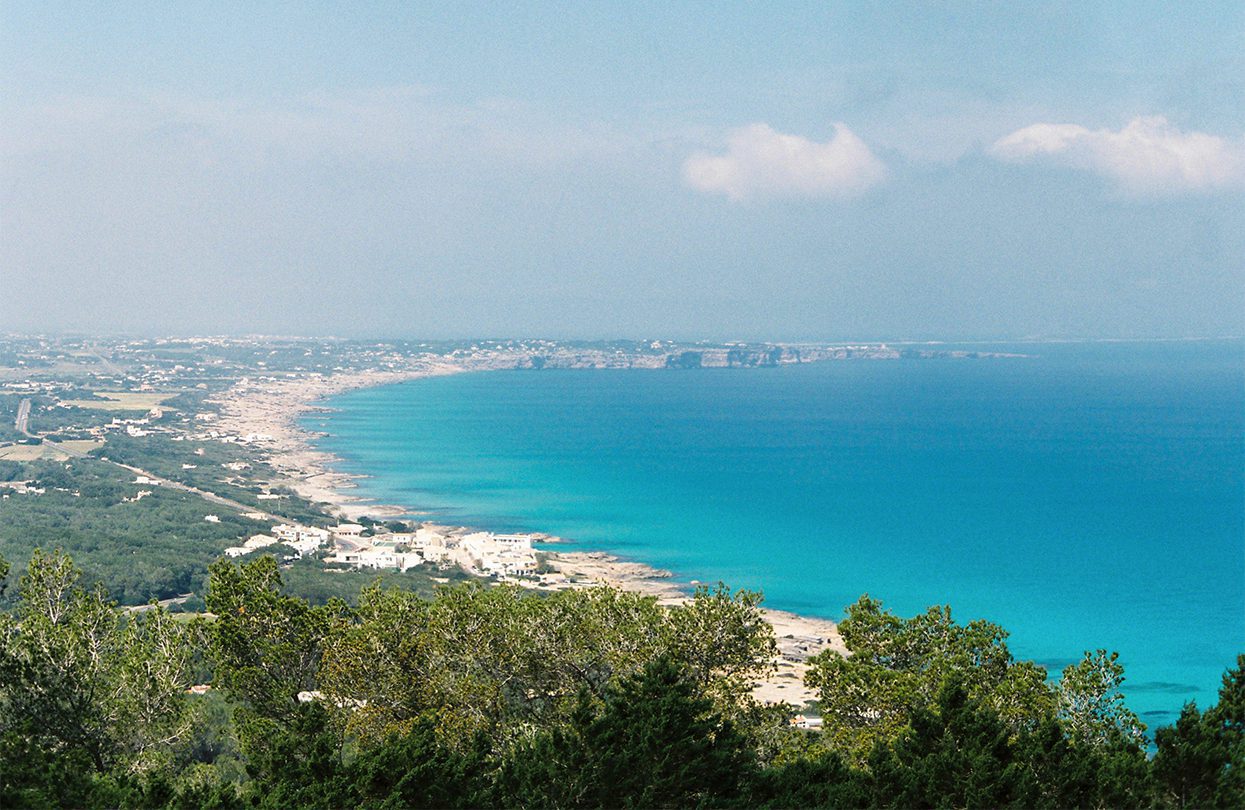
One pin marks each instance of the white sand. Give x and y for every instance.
(270, 408)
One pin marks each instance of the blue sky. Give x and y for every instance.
(694, 170)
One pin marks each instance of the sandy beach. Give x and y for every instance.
(266, 412)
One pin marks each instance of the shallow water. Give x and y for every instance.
(1090, 496)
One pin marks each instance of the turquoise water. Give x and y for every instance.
(1091, 496)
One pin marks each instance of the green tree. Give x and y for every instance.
(32, 776)
(659, 743)
(1201, 760)
(92, 704)
(1064, 773)
(1091, 705)
(267, 649)
(655, 741)
(724, 641)
(897, 666)
(266, 645)
(299, 764)
(484, 658)
(956, 753)
(79, 678)
(377, 670)
(491, 659)
(418, 770)
(820, 778)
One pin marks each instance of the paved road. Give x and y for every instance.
(23, 417)
(94, 350)
(210, 497)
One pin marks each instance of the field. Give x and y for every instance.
(83, 445)
(119, 401)
(58, 369)
(31, 452)
(47, 450)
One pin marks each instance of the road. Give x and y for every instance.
(104, 360)
(168, 483)
(23, 417)
(23, 421)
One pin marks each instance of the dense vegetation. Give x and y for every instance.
(596, 698)
(199, 464)
(154, 548)
(157, 547)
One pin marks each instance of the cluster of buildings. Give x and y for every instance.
(303, 540)
(206, 433)
(20, 488)
(32, 387)
(480, 553)
(500, 555)
(138, 427)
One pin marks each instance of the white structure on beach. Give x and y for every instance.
(484, 553)
(808, 722)
(497, 554)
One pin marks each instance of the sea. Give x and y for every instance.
(1086, 496)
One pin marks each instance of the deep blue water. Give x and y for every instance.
(1090, 496)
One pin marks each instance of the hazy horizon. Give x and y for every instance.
(641, 338)
(798, 172)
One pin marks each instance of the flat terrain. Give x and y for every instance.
(119, 401)
(81, 445)
(33, 452)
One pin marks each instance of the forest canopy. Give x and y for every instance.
(499, 696)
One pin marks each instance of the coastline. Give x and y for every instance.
(267, 411)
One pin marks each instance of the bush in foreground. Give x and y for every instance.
(597, 698)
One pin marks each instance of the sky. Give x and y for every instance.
(688, 170)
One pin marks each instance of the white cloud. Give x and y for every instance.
(760, 162)
(1148, 156)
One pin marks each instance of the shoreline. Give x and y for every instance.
(268, 409)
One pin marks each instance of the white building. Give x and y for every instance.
(499, 555)
(377, 558)
(255, 543)
(433, 546)
(303, 539)
(292, 533)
